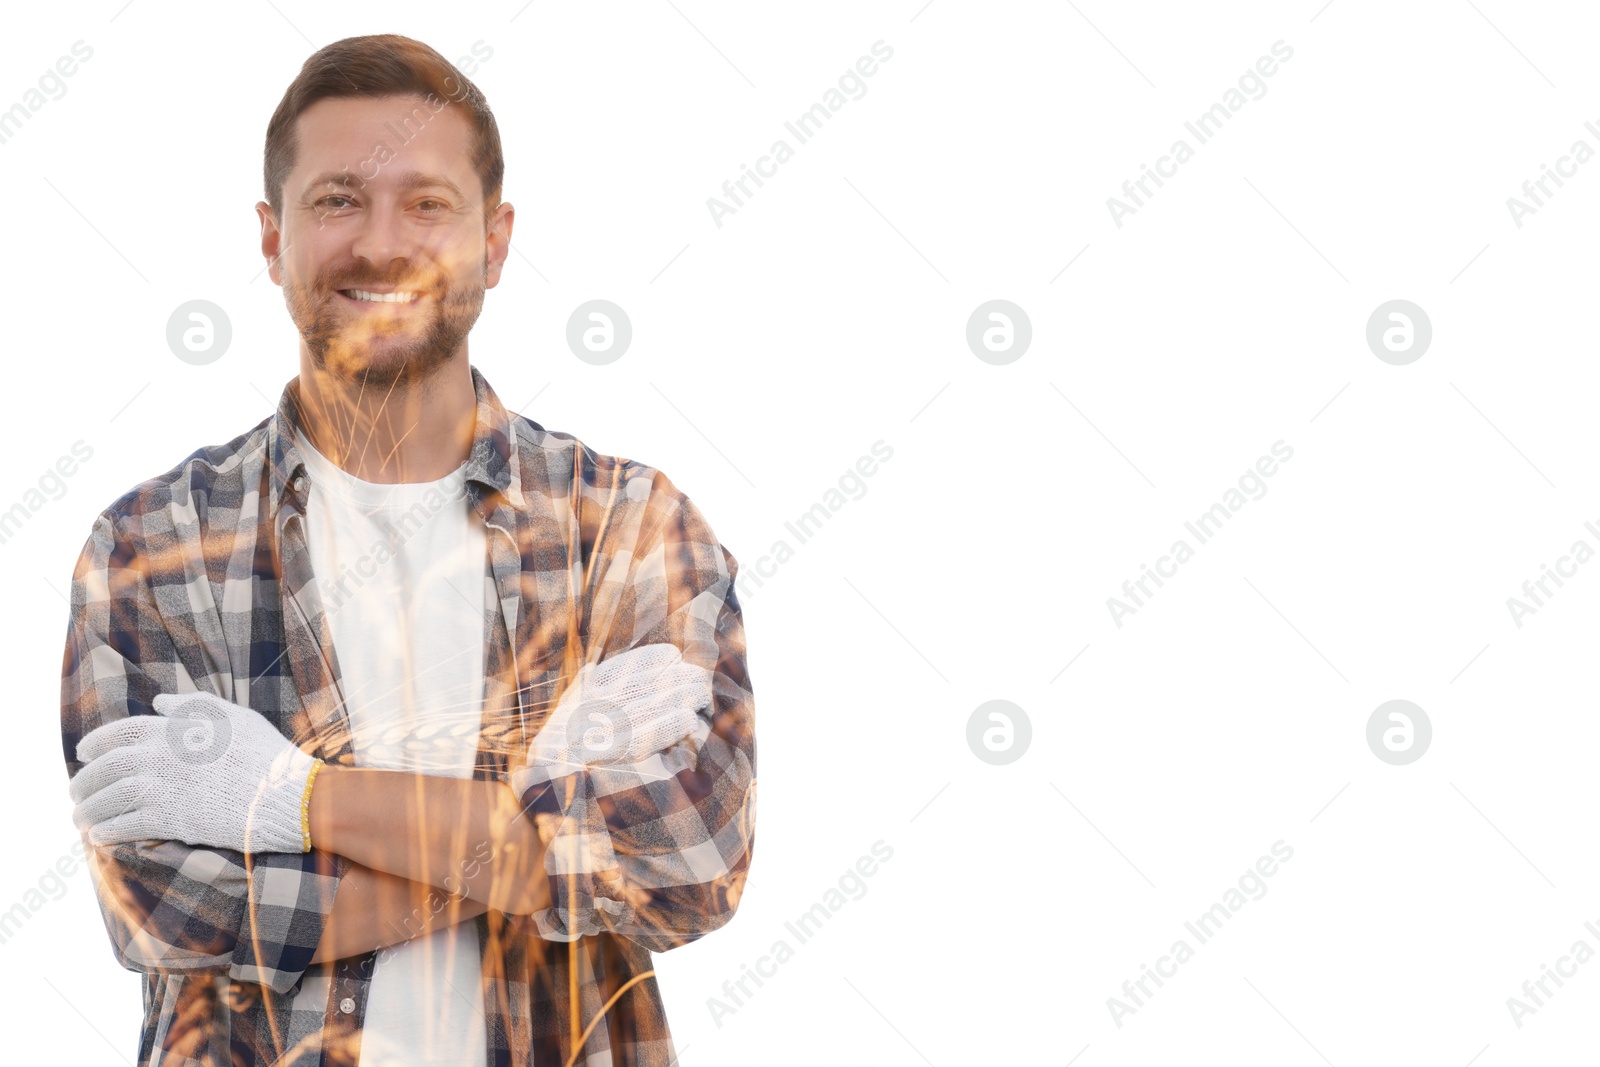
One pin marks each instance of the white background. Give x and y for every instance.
(829, 312)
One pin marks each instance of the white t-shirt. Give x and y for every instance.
(400, 570)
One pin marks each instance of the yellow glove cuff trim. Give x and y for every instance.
(305, 807)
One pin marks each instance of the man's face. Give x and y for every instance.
(383, 251)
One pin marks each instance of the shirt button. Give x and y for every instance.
(347, 1005)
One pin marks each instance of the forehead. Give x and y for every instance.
(370, 133)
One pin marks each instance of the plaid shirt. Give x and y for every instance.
(200, 578)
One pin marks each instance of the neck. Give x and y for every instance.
(408, 432)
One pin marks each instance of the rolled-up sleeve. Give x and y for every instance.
(658, 851)
(169, 907)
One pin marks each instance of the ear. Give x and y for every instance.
(497, 243)
(271, 241)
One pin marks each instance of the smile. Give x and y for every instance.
(379, 298)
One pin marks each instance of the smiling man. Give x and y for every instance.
(401, 729)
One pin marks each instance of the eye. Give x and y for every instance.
(336, 196)
(439, 206)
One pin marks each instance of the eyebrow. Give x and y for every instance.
(405, 181)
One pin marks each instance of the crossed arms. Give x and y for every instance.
(660, 862)
(404, 849)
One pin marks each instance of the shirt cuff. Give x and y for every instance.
(291, 894)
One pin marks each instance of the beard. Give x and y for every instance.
(382, 350)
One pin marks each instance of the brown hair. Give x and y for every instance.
(384, 64)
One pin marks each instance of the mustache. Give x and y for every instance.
(333, 283)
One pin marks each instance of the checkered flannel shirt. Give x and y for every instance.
(200, 579)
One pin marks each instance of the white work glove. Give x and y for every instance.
(619, 710)
(202, 771)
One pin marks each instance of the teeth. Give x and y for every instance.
(386, 298)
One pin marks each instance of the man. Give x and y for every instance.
(402, 729)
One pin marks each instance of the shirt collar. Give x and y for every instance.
(491, 463)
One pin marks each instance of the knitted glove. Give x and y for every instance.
(619, 710)
(202, 771)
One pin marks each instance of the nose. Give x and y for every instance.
(383, 239)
